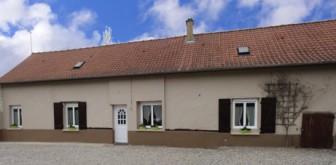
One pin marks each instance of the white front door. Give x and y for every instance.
(120, 124)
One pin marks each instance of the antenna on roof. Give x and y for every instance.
(31, 38)
(107, 36)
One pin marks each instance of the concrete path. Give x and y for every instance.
(13, 153)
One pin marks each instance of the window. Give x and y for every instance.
(121, 116)
(243, 50)
(67, 114)
(245, 113)
(16, 117)
(151, 114)
(72, 116)
(78, 64)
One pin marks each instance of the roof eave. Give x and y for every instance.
(177, 72)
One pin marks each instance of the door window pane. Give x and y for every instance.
(121, 116)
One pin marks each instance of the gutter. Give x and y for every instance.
(323, 63)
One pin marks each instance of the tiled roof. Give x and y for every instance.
(286, 45)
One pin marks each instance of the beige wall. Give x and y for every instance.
(37, 100)
(189, 101)
(196, 95)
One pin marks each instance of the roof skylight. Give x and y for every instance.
(79, 64)
(243, 50)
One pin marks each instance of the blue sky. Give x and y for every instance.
(59, 25)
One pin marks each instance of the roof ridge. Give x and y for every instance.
(100, 46)
(269, 27)
(205, 33)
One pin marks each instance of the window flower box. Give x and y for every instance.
(245, 130)
(154, 128)
(142, 127)
(72, 128)
(148, 127)
(14, 126)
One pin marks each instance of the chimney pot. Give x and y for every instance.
(190, 31)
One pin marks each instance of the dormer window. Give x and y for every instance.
(78, 64)
(243, 50)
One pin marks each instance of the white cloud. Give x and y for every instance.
(7, 16)
(82, 17)
(276, 12)
(211, 8)
(202, 27)
(47, 35)
(286, 11)
(144, 36)
(170, 16)
(36, 13)
(248, 3)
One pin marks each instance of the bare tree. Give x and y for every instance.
(107, 35)
(293, 97)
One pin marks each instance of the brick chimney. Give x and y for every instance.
(190, 31)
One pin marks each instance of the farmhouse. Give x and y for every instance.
(197, 90)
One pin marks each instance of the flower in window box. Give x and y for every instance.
(155, 127)
(141, 127)
(148, 126)
(245, 130)
(71, 127)
(14, 126)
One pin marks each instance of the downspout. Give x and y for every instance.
(164, 123)
(132, 94)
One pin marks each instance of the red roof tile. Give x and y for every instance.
(298, 44)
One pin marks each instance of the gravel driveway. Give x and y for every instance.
(83, 153)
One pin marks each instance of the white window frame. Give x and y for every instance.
(18, 107)
(152, 116)
(244, 102)
(73, 106)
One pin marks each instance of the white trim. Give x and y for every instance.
(151, 104)
(73, 106)
(19, 114)
(244, 102)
